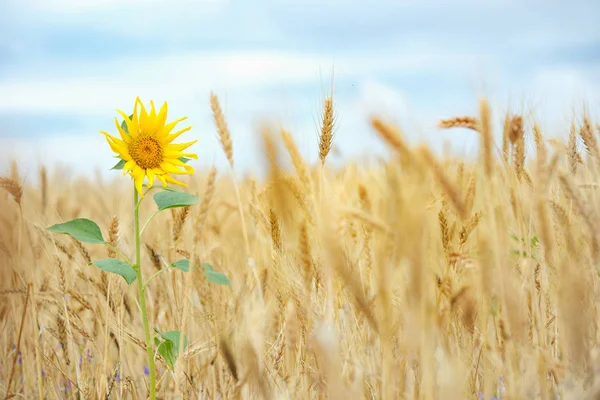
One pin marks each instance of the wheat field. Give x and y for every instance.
(416, 278)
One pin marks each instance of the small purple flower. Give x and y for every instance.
(19, 360)
(481, 396)
(118, 377)
(43, 372)
(89, 355)
(146, 371)
(14, 346)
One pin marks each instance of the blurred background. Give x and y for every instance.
(66, 66)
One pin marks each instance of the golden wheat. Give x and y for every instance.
(420, 277)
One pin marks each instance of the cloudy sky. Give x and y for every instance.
(66, 65)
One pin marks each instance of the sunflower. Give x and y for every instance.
(146, 146)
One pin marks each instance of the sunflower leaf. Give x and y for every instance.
(117, 267)
(217, 277)
(169, 347)
(119, 165)
(81, 229)
(182, 264)
(165, 200)
(184, 160)
(209, 272)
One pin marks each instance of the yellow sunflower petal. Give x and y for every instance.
(171, 169)
(165, 130)
(150, 174)
(135, 122)
(124, 136)
(178, 154)
(152, 126)
(180, 146)
(129, 166)
(117, 145)
(161, 119)
(174, 161)
(181, 164)
(138, 178)
(173, 180)
(174, 136)
(132, 125)
(162, 179)
(113, 139)
(143, 115)
(158, 171)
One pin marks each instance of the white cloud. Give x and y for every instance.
(376, 98)
(98, 86)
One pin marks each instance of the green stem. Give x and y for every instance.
(116, 250)
(155, 275)
(148, 221)
(142, 289)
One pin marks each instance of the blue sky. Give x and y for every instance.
(66, 65)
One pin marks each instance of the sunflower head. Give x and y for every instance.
(146, 146)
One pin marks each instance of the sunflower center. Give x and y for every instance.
(146, 151)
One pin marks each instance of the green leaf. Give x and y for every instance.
(119, 165)
(81, 229)
(117, 267)
(215, 277)
(184, 160)
(174, 336)
(165, 200)
(169, 347)
(166, 349)
(209, 272)
(124, 125)
(182, 264)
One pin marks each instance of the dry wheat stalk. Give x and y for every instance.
(297, 160)
(207, 197)
(44, 189)
(222, 129)
(506, 138)
(113, 235)
(573, 154)
(392, 136)
(486, 136)
(275, 230)
(460, 122)
(180, 218)
(517, 138)
(449, 188)
(327, 126)
(12, 187)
